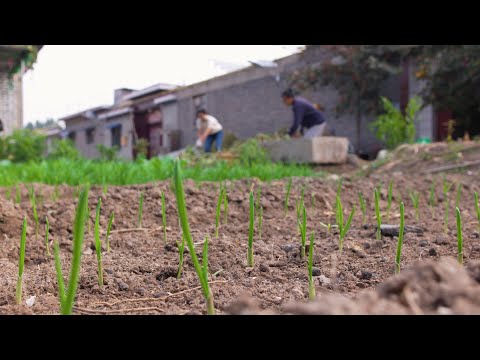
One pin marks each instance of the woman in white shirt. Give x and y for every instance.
(209, 131)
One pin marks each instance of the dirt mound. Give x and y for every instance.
(429, 287)
(428, 158)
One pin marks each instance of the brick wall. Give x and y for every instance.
(11, 103)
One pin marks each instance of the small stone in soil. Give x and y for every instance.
(288, 248)
(122, 286)
(316, 271)
(365, 227)
(476, 248)
(140, 291)
(361, 285)
(366, 245)
(160, 294)
(324, 280)
(441, 240)
(264, 268)
(432, 252)
(475, 235)
(423, 243)
(365, 275)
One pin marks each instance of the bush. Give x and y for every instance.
(393, 128)
(141, 148)
(106, 153)
(229, 140)
(252, 152)
(22, 146)
(64, 149)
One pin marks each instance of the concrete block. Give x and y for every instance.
(320, 150)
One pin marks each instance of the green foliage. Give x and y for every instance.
(394, 128)
(22, 146)
(141, 148)
(64, 149)
(342, 227)
(107, 153)
(251, 152)
(378, 215)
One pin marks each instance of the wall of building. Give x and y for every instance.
(425, 123)
(11, 103)
(80, 126)
(126, 121)
(170, 121)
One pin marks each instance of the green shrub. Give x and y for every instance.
(22, 146)
(393, 127)
(64, 149)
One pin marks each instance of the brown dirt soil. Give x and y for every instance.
(140, 271)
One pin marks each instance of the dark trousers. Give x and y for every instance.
(217, 138)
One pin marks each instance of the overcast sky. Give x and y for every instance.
(70, 78)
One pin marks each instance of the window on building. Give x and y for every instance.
(90, 135)
(116, 133)
(71, 136)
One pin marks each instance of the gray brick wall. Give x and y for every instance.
(11, 103)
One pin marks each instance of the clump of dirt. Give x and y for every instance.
(428, 288)
(428, 158)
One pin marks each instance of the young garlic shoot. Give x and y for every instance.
(459, 237)
(182, 214)
(21, 262)
(287, 197)
(363, 207)
(98, 244)
(415, 201)
(378, 215)
(225, 205)
(400, 238)
(250, 262)
(303, 231)
(343, 228)
(217, 212)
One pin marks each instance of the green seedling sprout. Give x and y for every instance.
(400, 238)
(250, 262)
(217, 212)
(164, 218)
(477, 208)
(260, 222)
(389, 199)
(328, 227)
(47, 229)
(415, 201)
(88, 219)
(446, 189)
(181, 251)
(34, 208)
(363, 207)
(140, 210)
(313, 201)
(109, 228)
(8, 193)
(339, 187)
(311, 287)
(21, 262)
(182, 213)
(98, 244)
(459, 237)
(68, 299)
(105, 189)
(378, 216)
(303, 231)
(225, 205)
(58, 269)
(343, 228)
(289, 187)
(18, 195)
(459, 195)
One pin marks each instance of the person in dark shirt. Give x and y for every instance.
(307, 118)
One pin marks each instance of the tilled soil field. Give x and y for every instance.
(140, 270)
